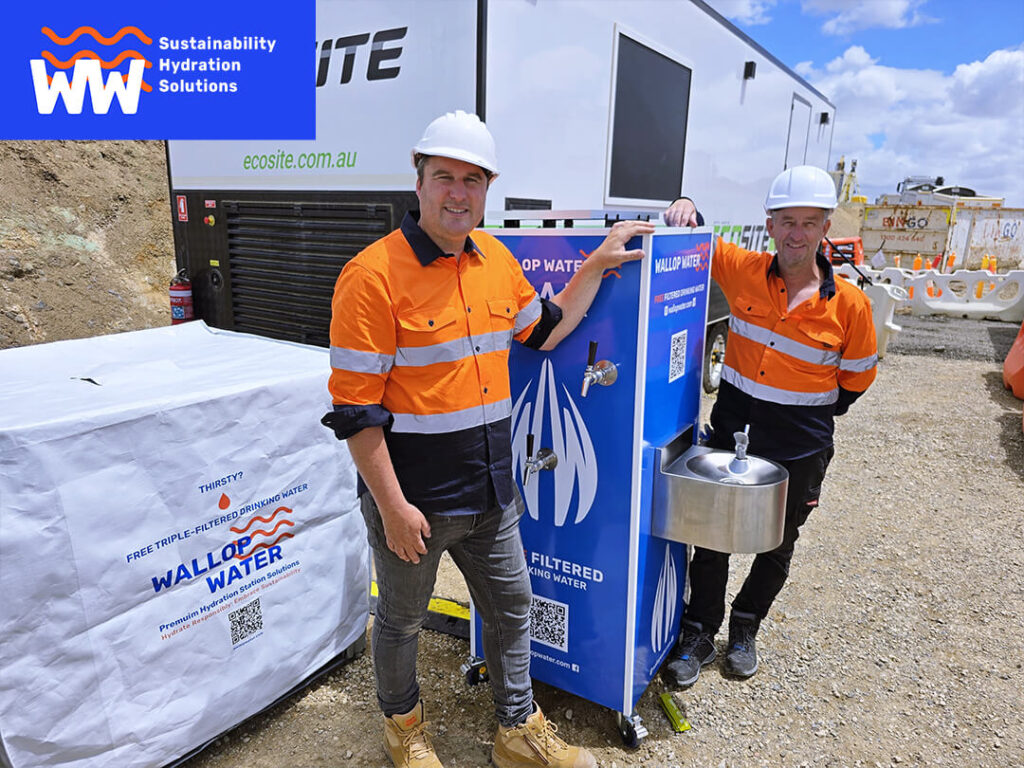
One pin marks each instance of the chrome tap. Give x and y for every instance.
(546, 459)
(604, 372)
(740, 464)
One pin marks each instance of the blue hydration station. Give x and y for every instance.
(588, 420)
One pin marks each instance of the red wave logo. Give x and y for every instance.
(98, 37)
(275, 529)
(265, 545)
(266, 520)
(130, 54)
(91, 55)
(260, 532)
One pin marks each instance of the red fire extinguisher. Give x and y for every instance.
(181, 298)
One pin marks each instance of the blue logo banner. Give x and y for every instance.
(181, 70)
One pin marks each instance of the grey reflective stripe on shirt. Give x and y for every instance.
(527, 314)
(437, 423)
(457, 349)
(776, 395)
(781, 343)
(360, 362)
(858, 364)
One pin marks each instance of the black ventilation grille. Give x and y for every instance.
(284, 258)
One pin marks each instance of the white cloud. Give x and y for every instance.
(853, 57)
(967, 126)
(751, 12)
(848, 17)
(981, 88)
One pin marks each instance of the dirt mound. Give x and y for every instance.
(85, 240)
(846, 220)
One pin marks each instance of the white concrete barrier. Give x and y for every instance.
(973, 293)
(884, 299)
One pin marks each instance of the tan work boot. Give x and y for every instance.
(406, 740)
(535, 743)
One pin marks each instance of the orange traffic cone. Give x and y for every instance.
(951, 261)
(896, 261)
(917, 263)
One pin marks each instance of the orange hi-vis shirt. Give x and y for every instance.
(788, 372)
(422, 340)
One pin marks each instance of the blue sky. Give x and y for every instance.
(921, 87)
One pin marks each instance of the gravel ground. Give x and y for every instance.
(898, 640)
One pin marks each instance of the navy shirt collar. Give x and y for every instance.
(426, 250)
(828, 280)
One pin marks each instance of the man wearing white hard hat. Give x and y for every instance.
(801, 350)
(422, 323)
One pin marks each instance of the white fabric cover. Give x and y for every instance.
(92, 671)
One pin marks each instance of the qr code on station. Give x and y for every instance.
(549, 623)
(677, 356)
(246, 621)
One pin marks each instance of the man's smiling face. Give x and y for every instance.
(452, 196)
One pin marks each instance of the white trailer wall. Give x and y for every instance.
(378, 120)
(549, 78)
(549, 82)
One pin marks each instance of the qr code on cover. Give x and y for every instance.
(677, 356)
(549, 623)
(246, 621)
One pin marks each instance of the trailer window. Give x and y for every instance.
(650, 106)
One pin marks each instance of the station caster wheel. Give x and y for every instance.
(631, 729)
(475, 671)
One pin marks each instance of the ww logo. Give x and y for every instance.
(88, 76)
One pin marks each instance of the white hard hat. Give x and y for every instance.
(803, 186)
(460, 136)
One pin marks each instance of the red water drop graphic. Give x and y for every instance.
(224, 502)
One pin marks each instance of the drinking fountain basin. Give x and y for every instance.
(719, 500)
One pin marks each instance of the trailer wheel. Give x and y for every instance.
(714, 355)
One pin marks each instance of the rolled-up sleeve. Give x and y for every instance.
(346, 420)
(362, 352)
(550, 316)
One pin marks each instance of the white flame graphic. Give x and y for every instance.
(577, 461)
(663, 618)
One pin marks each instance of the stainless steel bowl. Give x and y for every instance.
(716, 500)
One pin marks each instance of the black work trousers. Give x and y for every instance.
(709, 570)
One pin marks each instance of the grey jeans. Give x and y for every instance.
(488, 550)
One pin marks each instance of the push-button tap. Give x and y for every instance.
(603, 372)
(546, 459)
(740, 463)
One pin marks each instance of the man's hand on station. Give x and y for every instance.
(612, 252)
(682, 213)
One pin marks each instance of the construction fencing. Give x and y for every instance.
(974, 293)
